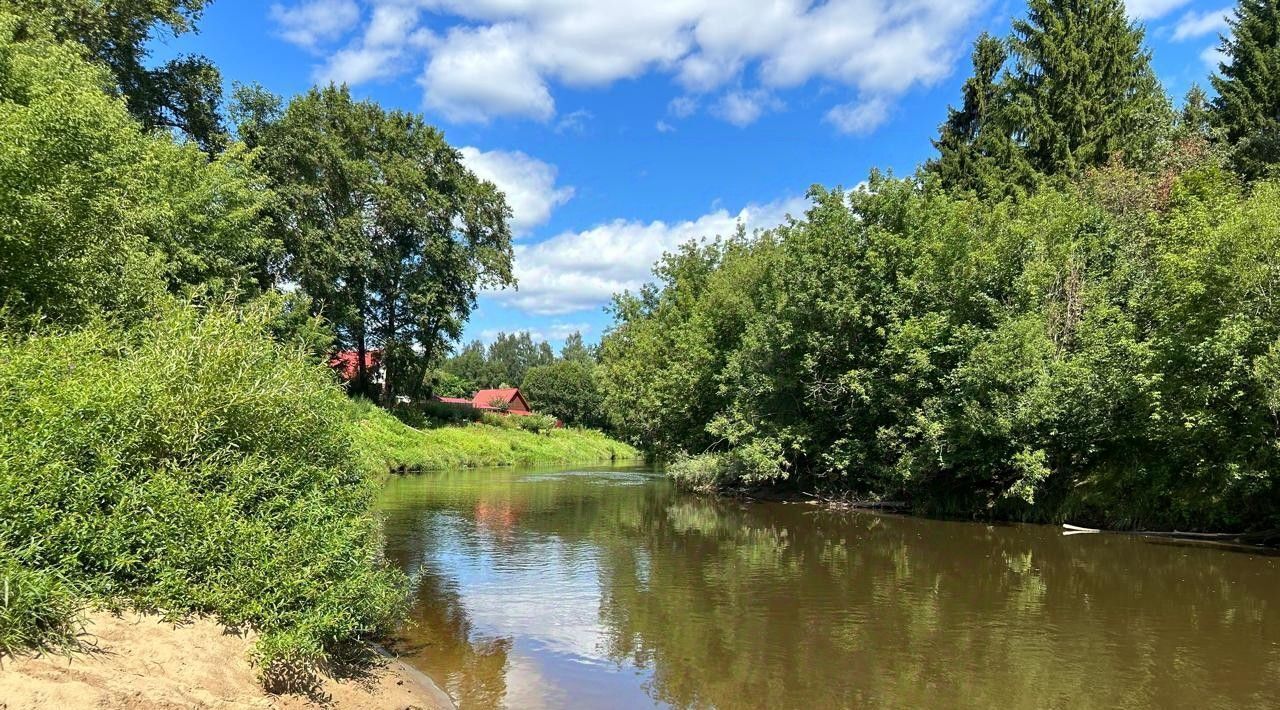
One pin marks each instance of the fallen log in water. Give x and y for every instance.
(1263, 538)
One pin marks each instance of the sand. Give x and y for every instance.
(138, 661)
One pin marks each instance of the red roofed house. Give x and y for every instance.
(345, 363)
(507, 401)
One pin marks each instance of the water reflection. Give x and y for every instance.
(603, 588)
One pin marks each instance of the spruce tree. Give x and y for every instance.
(1196, 113)
(975, 150)
(1247, 109)
(1083, 87)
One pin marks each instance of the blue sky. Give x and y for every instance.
(620, 128)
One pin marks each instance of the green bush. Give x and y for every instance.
(536, 423)
(192, 465)
(444, 413)
(504, 421)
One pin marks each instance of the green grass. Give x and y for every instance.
(385, 443)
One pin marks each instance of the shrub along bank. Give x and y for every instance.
(384, 442)
(188, 465)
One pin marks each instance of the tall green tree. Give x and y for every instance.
(511, 355)
(976, 150)
(575, 349)
(383, 227)
(1247, 108)
(566, 389)
(183, 93)
(1083, 87)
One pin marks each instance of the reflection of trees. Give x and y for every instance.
(785, 606)
(777, 605)
(439, 641)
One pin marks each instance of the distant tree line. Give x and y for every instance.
(1070, 312)
(564, 386)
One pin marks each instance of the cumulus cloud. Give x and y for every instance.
(477, 73)
(859, 118)
(311, 23)
(577, 271)
(1152, 9)
(502, 57)
(1197, 24)
(528, 183)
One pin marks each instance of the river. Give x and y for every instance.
(606, 588)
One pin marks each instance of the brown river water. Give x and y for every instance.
(603, 587)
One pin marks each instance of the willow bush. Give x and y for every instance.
(190, 464)
(1104, 350)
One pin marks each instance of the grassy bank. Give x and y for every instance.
(385, 443)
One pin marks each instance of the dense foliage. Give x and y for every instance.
(181, 94)
(502, 364)
(190, 464)
(98, 214)
(566, 389)
(1107, 350)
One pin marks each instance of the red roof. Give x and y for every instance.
(484, 399)
(345, 362)
(453, 400)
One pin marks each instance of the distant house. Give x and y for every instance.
(345, 363)
(506, 401)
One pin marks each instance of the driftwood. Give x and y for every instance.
(1263, 537)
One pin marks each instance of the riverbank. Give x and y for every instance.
(385, 443)
(139, 661)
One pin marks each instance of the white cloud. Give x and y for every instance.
(317, 21)
(574, 122)
(743, 108)
(528, 183)
(477, 73)
(577, 271)
(502, 57)
(664, 127)
(859, 118)
(1194, 24)
(1152, 9)
(1212, 56)
(682, 106)
(356, 65)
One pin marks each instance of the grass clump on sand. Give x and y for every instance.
(187, 464)
(387, 443)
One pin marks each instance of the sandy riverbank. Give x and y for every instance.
(137, 661)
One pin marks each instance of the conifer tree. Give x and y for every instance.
(1247, 109)
(975, 150)
(1083, 86)
(1196, 110)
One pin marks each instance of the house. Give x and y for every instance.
(345, 364)
(505, 401)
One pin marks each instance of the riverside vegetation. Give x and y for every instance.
(170, 439)
(1070, 313)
